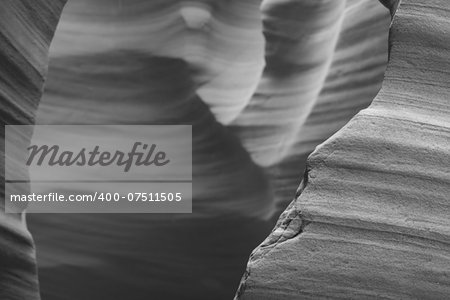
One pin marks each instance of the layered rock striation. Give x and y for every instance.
(371, 219)
(26, 29)
(262, 83)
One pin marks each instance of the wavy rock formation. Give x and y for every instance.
(261, 83)
(371, 219)
(353, 79)
(161, 62)
(319, 54)
(26, 29)
(148, 62)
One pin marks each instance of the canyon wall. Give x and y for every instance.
(26, 30)
(371, 218)
(262, 84)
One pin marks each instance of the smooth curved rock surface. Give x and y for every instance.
(353, 80)
(123, 78)
(141, 63)
(371, 220)
(221, 41)
(325, 61)
(199, 63)
(26, 29)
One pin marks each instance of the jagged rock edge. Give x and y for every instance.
(285, 229)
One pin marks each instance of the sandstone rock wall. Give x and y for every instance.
(26, 29)
(371, 219)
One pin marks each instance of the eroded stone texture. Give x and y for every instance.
(325, 62)
(372, 219)
(147, 62)
(199, 63)
(353, 80)
(151, 62)
(26, 29)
